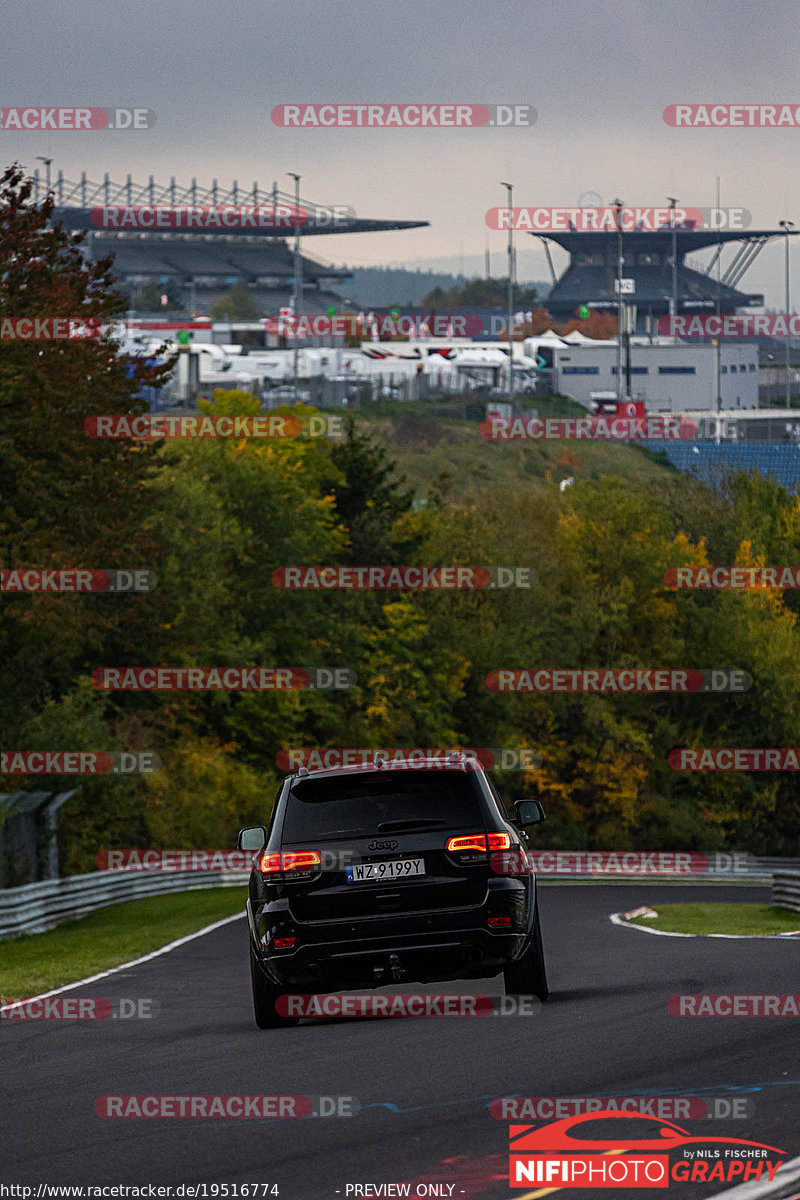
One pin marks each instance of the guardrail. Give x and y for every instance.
(37, 907)
(684, 867)
(786, 889)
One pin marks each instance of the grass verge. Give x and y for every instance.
(722, 918)
(38, 962)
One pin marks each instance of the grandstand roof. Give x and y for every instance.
(687, 240)
(75, 201)
(590, 277)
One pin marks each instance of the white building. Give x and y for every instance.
(668, 376)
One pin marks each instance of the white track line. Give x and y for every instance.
(124, 966)
(619, 919)
(788, 1173)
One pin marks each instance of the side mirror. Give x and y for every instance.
(252, 838)
(528, 812)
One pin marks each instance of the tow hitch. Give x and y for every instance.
(396, 968)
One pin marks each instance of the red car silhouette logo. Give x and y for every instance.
(556, 1136)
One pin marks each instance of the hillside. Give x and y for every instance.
(449, 454)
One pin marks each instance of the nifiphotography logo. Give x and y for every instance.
(551, 1155)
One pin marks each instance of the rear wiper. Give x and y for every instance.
(400, 826)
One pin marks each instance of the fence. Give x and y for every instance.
(37, 907)
(786, 889)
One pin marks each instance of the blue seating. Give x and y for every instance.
(710, 462)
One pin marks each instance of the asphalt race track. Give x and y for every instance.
(424, 1085)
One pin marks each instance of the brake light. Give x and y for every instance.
(477, 841)
(288, 860)
(284, 943)
(499, 922)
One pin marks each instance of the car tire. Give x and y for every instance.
(265, 994)
(527, 976)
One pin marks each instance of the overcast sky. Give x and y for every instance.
(598, 72)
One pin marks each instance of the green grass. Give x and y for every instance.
(38, 962)
(722, 918)
(451, 452)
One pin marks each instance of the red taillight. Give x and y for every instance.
(477, 841)
(288, 860)
(499, 922)
(284, 943)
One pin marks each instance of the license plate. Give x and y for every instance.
(399, 868)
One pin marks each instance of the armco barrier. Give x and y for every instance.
(37, 907)
(786, 889)
(741, 868)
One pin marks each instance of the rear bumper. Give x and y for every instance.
(372, 952)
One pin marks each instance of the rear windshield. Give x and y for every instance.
(367, 805)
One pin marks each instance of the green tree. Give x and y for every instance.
(368, 498)
(236, 305)
(67, 499)
(481, 293)
(149, 297)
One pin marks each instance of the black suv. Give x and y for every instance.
(372, 875)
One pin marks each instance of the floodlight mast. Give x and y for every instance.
(786, 226)
(618, 205)
(298, 279)
(510, 189)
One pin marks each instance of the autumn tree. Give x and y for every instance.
(67, 499)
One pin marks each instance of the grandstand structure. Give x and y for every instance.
(714, 464)
(203, 264)
(590, 277)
